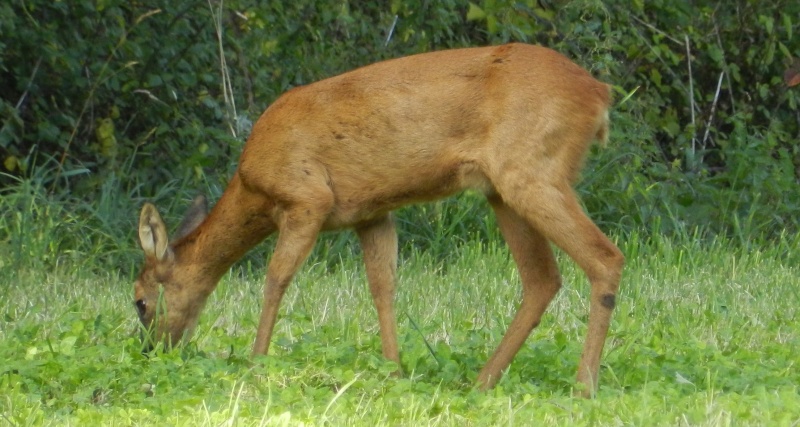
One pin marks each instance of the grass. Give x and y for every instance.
(704, 334)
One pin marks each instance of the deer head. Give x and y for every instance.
(165, 293)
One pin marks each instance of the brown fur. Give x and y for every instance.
(513, 121)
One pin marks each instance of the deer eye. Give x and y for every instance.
(141, 307)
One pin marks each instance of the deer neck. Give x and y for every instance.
(239, 221)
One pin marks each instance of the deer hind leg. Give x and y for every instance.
(554, 210)
(297, 233)
(540, 283)
(379, 244)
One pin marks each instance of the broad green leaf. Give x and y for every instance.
(491, 24)
(787, 24)
(768, 22)
(475, 13)
(67, 345)
(655, 76)
(784, 50)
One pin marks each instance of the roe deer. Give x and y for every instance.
(512, 121)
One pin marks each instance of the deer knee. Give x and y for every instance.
(608, 264)
(385, 289)
(552, 285)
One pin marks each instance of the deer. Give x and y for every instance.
(513, 122)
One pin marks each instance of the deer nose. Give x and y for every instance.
(141, 308)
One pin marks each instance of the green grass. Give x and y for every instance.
(704, 334)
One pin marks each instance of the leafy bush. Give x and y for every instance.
(154, 99)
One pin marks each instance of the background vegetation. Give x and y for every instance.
(106, 103)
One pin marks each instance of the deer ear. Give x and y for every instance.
(195, 216)
(153, 233)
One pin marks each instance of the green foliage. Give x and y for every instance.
(105, 104)
(723, 124)
(106, 91)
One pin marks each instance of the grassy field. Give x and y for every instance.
(703, 335)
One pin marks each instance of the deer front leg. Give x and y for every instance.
(296, 238)
(379, 243)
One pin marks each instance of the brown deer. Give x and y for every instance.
(512, 121)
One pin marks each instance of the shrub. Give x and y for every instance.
(153, 99)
